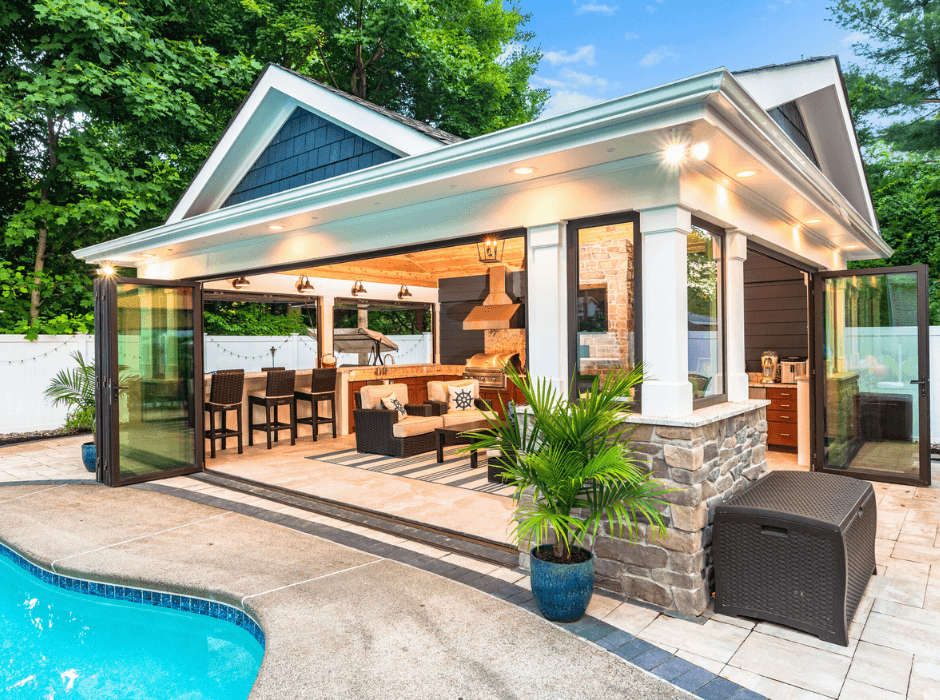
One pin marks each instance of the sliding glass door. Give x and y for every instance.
(148, 337)
(872, 391)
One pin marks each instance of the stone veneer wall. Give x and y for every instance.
(707, 464)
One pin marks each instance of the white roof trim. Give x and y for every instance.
(646, 110)
(269, 104)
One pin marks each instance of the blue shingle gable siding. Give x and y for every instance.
(307, 149)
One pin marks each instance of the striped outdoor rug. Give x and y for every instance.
(453, 471)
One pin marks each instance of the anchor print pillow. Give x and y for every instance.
(393, 404)
(461, 398)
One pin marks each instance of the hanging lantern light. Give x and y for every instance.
(303, 285)
(490, 249)
(403, 292)
(358, 288)
(240, 282)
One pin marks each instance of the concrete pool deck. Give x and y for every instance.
(338, 621)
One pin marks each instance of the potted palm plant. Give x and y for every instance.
(75, 388)
(572, 468)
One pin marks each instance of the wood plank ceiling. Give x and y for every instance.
(421, 269)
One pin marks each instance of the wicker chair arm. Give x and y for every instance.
(375, 420)
(438, 408)
(419, 410)
(482, 405)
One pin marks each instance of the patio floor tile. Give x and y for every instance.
(790, 662)
(713, 640)
(926, 667)
(923, 689)
(651, 658)
(806, 639)
(673, 668)
(853, 690)
(902, 634)
(633, 649)
(694, 679)
(631, 618)
(700, 661)
(917, 553)
(601, 605)
(616, 639)
(718, 689)
(901, 590)
(768, 687)
(881, 667)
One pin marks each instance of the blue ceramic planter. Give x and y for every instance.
(88, 455)
(563, 591)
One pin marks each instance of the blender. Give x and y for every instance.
(769, 361)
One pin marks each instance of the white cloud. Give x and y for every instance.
(566, 101)
(596, 9)
(852, 38)
(657, 56)
(583, 55)
(573, 77)
(631, 36)
(650, 8)
(509, 51)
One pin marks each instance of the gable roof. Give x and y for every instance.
(270, 102)
(817, 87)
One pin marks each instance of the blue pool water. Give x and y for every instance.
(57, 643)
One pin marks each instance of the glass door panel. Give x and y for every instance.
(154, 379)
(872, 407)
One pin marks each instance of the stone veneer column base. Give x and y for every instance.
(707, 457)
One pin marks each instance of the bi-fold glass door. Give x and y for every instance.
(149, 397)
(872, 375)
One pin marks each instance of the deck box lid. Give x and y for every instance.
(825, 501)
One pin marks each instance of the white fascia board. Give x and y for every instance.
(271, 102)
(639, 112)
(738, 113)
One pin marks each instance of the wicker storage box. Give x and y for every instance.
(796, 548)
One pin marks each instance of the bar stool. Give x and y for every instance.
(225, 394)
(279, 391)
(272, 369)
(322, 388)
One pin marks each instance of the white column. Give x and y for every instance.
(735, 255)
(547, 304)
(668, 392)
(325, 332)
(436, 341)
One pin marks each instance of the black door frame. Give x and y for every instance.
(923, 367)
(107, 384)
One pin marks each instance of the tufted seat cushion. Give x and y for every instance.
(372, 395)
(416, 425)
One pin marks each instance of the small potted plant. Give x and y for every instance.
(572, 468)
(75, 388)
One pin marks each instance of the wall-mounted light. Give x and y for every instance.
(403, 292)
(303, 285)
(490, 249)
(240, 282)
(358, 289)
(674, 153)
(106, 270)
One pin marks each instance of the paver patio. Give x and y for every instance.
(894, 649)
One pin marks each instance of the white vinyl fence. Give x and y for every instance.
(26, 368)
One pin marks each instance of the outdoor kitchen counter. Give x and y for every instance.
(255, 381)
(349, 380)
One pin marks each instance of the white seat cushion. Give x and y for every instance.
(437, 391)
(372, 395)
(416, 425)
(454, 419)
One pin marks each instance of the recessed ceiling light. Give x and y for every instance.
(700, 150)
(747, 173)
(275, 227)
(849, 247)
(611, 150)
(524, 170)
(674, 153)
(814, 221)
(147, 255)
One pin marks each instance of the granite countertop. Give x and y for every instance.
(398, 371)
(778, 385)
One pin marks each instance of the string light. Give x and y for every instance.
(262, 356)
(37, 357)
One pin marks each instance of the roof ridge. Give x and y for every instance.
(811, 59)
(419, 126)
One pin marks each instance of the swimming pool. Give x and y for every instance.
(58, 642)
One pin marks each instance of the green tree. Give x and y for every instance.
(461, 65)
(896, 94)
(104, 111)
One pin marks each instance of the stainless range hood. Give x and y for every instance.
(497, 310)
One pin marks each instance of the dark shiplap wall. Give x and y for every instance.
(775, 310)
(457, 296)
(307, 149)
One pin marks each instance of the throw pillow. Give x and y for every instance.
(393, 404)
(461, 398)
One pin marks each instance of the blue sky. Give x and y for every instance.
(599, 49)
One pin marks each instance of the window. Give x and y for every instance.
(706, 317)
(604, 297)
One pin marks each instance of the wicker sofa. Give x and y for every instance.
(381, 431)
(439, 401)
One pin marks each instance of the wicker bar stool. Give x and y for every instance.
(225, 395)
(279, 391)
(272, 369)
(322, 388)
